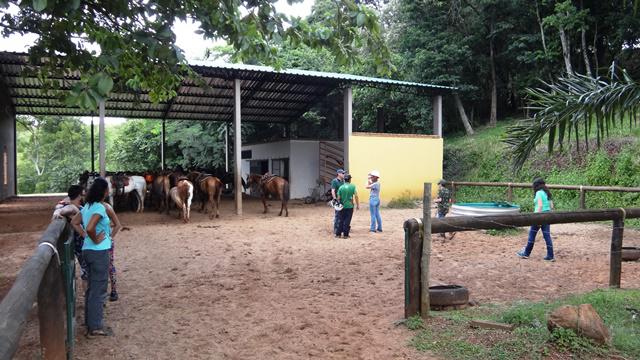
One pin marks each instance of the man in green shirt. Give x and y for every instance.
(335, 185)
(346, 195)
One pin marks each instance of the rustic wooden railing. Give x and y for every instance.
(454, 185)
(418, 241)
(45, 278)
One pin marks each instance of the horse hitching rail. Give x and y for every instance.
(40, 278)
(581, 188)
(418, 239)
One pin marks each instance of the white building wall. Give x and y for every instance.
(275, 150)
(304, 167)
(304, 162)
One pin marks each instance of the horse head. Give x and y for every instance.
(253, 179)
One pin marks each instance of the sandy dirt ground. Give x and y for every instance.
(264, 287)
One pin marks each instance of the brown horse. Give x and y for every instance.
(160, 190)
(182, 195)
(271, 185)
(208, 190)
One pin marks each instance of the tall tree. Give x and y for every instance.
(52, 152)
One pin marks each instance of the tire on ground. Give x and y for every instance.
(447, 295)
(630, 253)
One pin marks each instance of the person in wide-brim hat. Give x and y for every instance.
(373, 184)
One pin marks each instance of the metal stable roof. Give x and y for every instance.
(267, 95)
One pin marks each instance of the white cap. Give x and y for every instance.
(375, 173)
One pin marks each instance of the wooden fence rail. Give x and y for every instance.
(510, 186)
(40, 279)
(418, 238)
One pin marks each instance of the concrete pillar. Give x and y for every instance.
(237, 146)
(437, 115)
(162, 142)
(348, 123)
(102, 143)
(8, 145)
(93, 148)
(226, 147)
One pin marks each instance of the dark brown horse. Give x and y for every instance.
(208, 190)
(271, 185)
(160, 191)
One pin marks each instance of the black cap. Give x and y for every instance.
(347, 177)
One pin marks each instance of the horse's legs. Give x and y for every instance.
(218, 202)
(286, 208)
(211, 203)
(141, 203)
(281, 194)
(264, 202)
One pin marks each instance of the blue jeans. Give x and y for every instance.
(546, 233)
(336, 222)
(98, 272)
(345, 221)
(374, 211)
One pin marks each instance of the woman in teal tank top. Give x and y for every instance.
(94, 224)
(541, 203)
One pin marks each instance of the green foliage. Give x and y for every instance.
(52, 151)
(404, 201)
(195, 144)
(611, 305)
(137, 43)
(476, 158)
(568, 340)
(449, 335)
(136, 146)
(414, 323)
(575, 103)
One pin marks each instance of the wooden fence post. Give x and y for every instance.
(51, 313)
(582, 198)
(412, 257)
(509, 193)
(453, 192)
(426, 252)
(616, 253)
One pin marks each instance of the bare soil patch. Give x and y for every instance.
(267, 287)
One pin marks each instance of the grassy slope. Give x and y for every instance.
(483, 157)
(448, 333)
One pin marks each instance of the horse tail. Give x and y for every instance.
(286, 191)
(166, 192)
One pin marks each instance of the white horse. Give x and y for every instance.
(182, 195)
(118, 185)
(129, 184)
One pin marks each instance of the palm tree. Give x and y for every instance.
(573, 104)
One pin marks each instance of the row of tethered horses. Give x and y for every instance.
(178, 189)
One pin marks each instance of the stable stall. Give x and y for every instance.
(232, 93)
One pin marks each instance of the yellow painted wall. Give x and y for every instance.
(405, 163)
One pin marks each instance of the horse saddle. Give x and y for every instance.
(266, 178)
(203, 177)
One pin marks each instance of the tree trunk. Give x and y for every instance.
(585, 55)
(544, 42)
(463, 115)
(566, 51)
(493, 120)
(595, 49)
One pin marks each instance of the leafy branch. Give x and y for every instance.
(574, 104)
